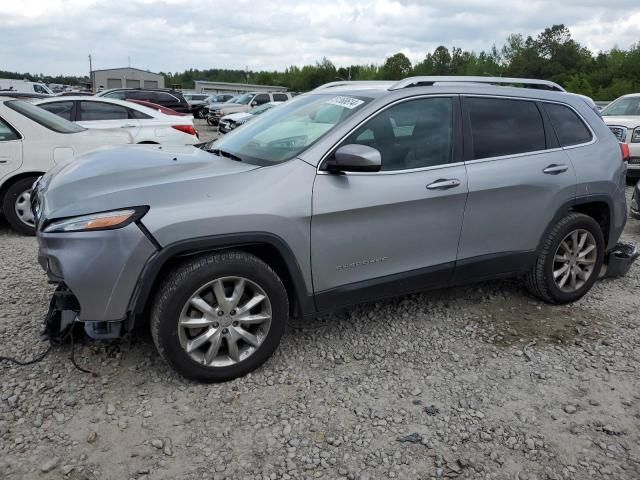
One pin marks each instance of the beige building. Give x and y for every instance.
(126, 78)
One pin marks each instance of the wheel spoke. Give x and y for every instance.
(212, 351)
(221, 297)
(201, 305)
(564, 278)
(561, 258)
(588, 249)
(253, 302)
(582, 275)
(583, 239)
(573, 279)
(248, 337)
(189, 322)
(560, 271)
(586, 261)
(200, 340)
(238, 290)
(248, 319)
(232, 347)
(574, 241)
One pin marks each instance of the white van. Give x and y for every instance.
(24, 86)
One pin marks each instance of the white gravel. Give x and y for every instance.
(475, 382)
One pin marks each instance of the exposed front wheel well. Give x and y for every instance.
(268, 253)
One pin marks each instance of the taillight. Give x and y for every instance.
(626, 154)
(189, 129)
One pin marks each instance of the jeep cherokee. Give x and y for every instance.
(350, 193)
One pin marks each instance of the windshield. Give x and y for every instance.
(46, 119)
(261, 109)
(282, 133)
(627, 106)
(244, 99)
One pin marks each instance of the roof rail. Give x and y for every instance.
(522, 82)
(356, 83)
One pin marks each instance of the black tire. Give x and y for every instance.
(184, 281)
(539, 281)
(9, 203)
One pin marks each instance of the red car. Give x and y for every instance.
(155, 106)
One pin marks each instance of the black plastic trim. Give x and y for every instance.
(382, 287)
(154, 265)
(495, 265)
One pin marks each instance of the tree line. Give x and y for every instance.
(552, 55)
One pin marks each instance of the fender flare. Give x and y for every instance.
(185, 248)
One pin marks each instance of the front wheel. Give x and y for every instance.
(569, 262)
(219, 316)
(16, 206)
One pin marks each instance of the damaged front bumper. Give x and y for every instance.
(96, 273)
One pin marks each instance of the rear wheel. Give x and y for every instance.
(570, 260)
(16, 206)
(219, 316)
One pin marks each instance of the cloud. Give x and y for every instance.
(56, 36)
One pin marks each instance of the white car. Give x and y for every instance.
(32, 141)
(622, 116)
(234, 120)
(145, 124)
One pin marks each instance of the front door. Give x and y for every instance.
(397, 230)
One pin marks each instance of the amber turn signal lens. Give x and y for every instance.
(107, 222)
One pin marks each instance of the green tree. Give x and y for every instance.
(396, 67)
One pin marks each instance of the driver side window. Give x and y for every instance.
(7, 133)
(412, 134)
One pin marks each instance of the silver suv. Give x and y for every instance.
(347, 194)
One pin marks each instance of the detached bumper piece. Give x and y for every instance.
(63, 311)
(620, 259)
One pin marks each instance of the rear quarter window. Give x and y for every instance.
(570, 128)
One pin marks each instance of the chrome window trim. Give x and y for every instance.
(320, 171)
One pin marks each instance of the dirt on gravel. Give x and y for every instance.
(482, 381)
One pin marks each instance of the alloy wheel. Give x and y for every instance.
(574, 260)
(23, 208)
(225, 321)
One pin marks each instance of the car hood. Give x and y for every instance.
(237, 116)
(629, 121)
(131, 176)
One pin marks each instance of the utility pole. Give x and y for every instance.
(93, 88)
(129, 61)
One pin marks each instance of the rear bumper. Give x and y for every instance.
(100, 268)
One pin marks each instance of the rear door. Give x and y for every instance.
(10, 149)
(518, 180)
(379, 234)
(103, 115)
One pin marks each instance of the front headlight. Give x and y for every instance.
(635, 136)
(97, 221)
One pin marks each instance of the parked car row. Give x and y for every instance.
(234, 120)
(244, 103)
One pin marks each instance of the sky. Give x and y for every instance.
(56, 36)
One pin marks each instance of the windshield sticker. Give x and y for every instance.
(346, 102)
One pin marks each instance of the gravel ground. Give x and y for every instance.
(475, 382)
(207, 132)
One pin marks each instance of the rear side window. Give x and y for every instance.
(166, 99)
(62, 109)
(280, 97)
(138, 115)
(569, 128)
(102, 111)
(504, 127)
(261, 99)
(7, 133)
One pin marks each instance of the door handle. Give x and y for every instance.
(554, 169)
(127, 126)
(443, 184)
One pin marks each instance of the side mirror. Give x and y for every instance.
(254, 104)
(355, 158)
